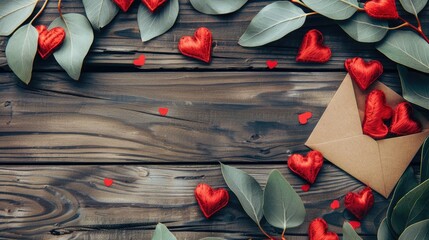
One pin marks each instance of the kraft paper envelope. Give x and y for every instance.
(338, 136)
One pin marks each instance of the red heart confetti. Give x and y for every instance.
(140, 61)
(49, 40)
(307, 167)
(363, 73)
(305, 187)
(303, 117)
(163, 111)
(359, 203)
(152, 5)
(335, 204)
(271, 64)
(376, 111)
(355, 224)
(199, 46)
(318, 230)
(403, 122)
(210, 200)
(108, 182)
(312, 48)
(381, 9)
(124, 5)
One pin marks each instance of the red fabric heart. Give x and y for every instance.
(163, 111)
(376, 111)
(199, 46)
(318, 230)
(153, 4)
(305, 187)
(306, 167)
(363, 73)
(210, 200)
(303, 117)
(381, 9)
(312, 48)
(359, 203)
(335, 204)
(49, 40)
(108, 182)
(124, 5)
(140, 61)
(403, 122)
(271, 64)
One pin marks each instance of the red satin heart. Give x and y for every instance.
(124, 5)
(363, 73)
(306, 167)
(312, 48)
(318, 230)
(381, 9)
(199, 46)
(49, 40)
(359, 203)
(403, 122)
(153, 4)
(210, 200)
(376, 111)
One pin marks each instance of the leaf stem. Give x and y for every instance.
(417, 29)
(40, 11)
(283, 234)
(398, 27)
(59, 8)
(299, 2)
(265, 233)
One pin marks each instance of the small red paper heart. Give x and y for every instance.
(210, 200)
(140, 61)
(49, 40)
(312, 48)
(124, 5)
(318, 230)
(271, 64)
(163, 111)
(403, 122)
(303, 117)
(307, 167)
(199, 46)
(152, 5)
(305, 187)
(363, 73)
(359, 203)
(381, 9)
(108, 182)
(355, 224)
(376, 111)
(335, 204)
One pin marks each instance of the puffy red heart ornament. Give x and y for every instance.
(210, 200)
(49, 40)
(359, 203)
(318, 230)
(363, 73)
(376, 111)
(199, 46)
(312, 48)
(307, 167)
(124, 5)
(403, 123)
(152, 5)
(381, 9)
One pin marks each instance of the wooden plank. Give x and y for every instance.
(71, 201)
(119, 43)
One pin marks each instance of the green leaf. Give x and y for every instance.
(349, 233)
(272, 23)
(424, 162)
(413, 6)
(411, 208)
(406, 48)
(363, 28)
(162, 233)
(384, 232)
(283, 208)
(334, 9)
(14, 13)
(415, 87)
(152, 25)
(100, 12)
(21, 50)
(417, 231)
(217, 7)
(247, 190)
(79, 37)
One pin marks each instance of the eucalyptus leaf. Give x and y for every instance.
(272, 23)
(21, 50)
(413, 6)
(417, 231)
(334, 9)
(384, 232)
(406, 48)
(247, 190)
(14, 13)
(217, 7)
(152, 25)
(100, 12)
(415, 87)
(162, 233)
(79, 38)
(363, 28)
(283, 208)
(424, 162)
(349, 233)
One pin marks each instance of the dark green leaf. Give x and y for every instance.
(349, 233)
(363, 28)
(415, 87)
(152, 25)
(424, 162)
(417, 231)
(79, 37)
(283, 208)
(162, 233)
(247, 190)
(21, 50)
(218, 6)
(406, 48)
(334, 9)
(100, 12)
(14, 13)
(413, 6)
(272, 23)
(384, 232)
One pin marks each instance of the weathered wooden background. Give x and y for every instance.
(60, 138)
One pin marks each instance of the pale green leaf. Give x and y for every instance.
(413, 6)
(283, 208)
(415, 87)
(363, 28)
(424, 161)
(218, 6)
(162, 233)
(349, 233)
(79, 37)
(21, 50)
(272, 23)
(247, 190)
(406, 48)
(152, 25)
(417, 231)
(334, 9)
(100, 12)
(384, 232)
(14, 13)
